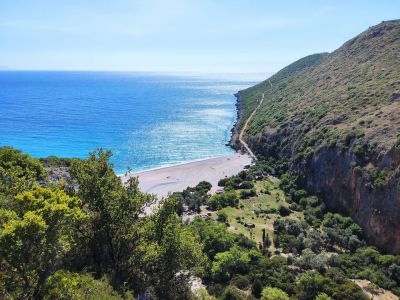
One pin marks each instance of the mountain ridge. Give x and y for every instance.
(332, 122)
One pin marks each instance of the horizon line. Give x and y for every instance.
(134, 71)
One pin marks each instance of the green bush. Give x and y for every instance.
(67, 285)
(219, 201)
(232, 293)
(245, 194)
(284, 211)
(240, 281)
(222, 217)
(270, 293)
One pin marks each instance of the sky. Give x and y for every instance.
(211, 36)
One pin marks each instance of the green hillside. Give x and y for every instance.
(332, 121)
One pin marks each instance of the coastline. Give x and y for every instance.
(175, 165)
(233, 141)
(165, 180)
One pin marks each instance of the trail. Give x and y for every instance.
(245, 127)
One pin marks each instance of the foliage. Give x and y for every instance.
(192, 197)
(240, 281)
(228, 263)
(232, 293)
(97, 243)
(245, 194)
(36, 236)
(18, 172)
(241, 181)
(323, 296)
(270, 293)
(219, 201)
(164, 250)
(67, 285)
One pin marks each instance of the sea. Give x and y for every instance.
(147, 120)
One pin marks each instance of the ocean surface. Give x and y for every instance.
(147, 120)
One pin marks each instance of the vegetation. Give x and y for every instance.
(313, 104)
(330, 122)
(50, 239)
(192, 198)
(260, 238)
(95, 242)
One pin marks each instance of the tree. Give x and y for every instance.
(284, 211)
(256, 288)
(215, 236)
(18, 172)
(349, 291)
(266, 242)
(113, 210)
(222, 217)
(311, 285)
(35, 237)
(219, 201)
(323, 296)
(193, 197)
(270, 293)
(68, 285)
(232, 293)
(229, 263)
(166, 254)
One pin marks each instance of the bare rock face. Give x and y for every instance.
(330, 174)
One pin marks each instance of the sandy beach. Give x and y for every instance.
(176, 178)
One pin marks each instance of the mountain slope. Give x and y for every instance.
(332, 121)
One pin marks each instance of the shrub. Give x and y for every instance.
(222, 217)
(216, 289)
(270, 293)
(219, 201)
(309, 201)
(66, 285)
(246, 185)
(284, 211)
(240, 281)
(229, 263)
(256, 288)
(299, 194)
(323, 296)
(232, 293)
(245, 194)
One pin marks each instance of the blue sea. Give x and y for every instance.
(147, 120)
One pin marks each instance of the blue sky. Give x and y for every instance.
(177, 35)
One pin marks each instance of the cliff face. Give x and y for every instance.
(333, 121)
(330, 175)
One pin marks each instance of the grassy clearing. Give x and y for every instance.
(261, 210)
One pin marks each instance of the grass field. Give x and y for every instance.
(258, 210)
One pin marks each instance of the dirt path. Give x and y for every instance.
(381, 295)
(245, 127)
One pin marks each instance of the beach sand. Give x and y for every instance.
(176, 178)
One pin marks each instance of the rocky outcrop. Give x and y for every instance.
(334, 174)
(331, 175)
(234, 140)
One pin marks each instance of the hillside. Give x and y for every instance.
(332, 122)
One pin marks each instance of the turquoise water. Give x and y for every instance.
(147, 120)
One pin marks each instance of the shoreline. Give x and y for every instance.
(165, 180)
(177, 164)
(233, 141)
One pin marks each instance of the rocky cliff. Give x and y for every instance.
(332, 121)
